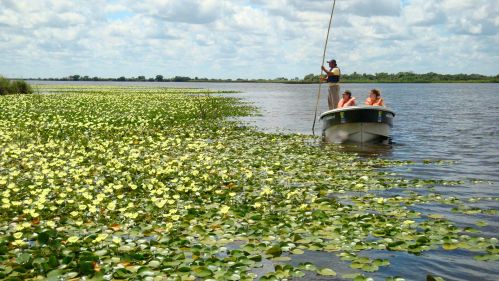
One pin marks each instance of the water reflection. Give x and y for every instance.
(367, 150)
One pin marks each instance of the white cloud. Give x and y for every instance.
(421, 12)
(368, 8)
(245, 38)
(188, 11)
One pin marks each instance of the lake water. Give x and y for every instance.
(457, 122)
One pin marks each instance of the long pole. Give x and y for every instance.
(323, 60)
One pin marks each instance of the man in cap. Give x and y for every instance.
(333, 78)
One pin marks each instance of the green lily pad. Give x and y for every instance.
(434, 278)
(274, 251)
(24, 259)
(326, 272)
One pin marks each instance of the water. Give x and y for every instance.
(457, 122)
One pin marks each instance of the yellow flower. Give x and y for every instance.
(50, 224)
(18, 235)
(168, 226)
(131, 215)
(266, 191)
(101, 237)
(92, 209)
(19, 243)
(408, 222)
(160, 204)
(73, 239)
(111, 206)
(224, 210)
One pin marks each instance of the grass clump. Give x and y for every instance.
(8, 87)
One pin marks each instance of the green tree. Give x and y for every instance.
(159, 78)
(311, 77)
(181, 79)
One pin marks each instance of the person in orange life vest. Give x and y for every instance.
(374, 98)
(346, 100)
(333, 78)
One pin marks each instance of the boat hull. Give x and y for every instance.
(357, 124)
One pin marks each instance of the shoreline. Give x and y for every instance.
(276, 82)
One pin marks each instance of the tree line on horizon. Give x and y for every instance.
(381, 77)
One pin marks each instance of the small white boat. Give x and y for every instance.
(361, 124)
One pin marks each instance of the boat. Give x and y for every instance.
(359, 124)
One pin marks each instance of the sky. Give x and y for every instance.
(245, 38)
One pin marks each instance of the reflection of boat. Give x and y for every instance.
(357, 124)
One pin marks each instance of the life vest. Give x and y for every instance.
(349, 102)
(334, 78)
(375, 102)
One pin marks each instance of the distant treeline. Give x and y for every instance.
(382, 77)
(409, 77)
(160, 78)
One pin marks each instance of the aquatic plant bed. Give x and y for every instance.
(156, 184)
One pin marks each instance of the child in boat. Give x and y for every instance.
(346, 99)
(374, 98)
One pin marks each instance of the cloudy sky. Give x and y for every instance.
(245, 38)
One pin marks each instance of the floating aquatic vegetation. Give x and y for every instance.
(155, 183)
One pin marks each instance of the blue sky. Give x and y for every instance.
(245, 38)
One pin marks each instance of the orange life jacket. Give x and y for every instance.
(375, 102)
(345, 103)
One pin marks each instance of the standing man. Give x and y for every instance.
(333, 78)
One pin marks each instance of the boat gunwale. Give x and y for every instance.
(354, 108)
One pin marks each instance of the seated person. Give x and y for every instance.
(374, 98)
(346, 100)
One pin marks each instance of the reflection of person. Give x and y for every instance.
(374, 98)
(346, 100)
(333, 78)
